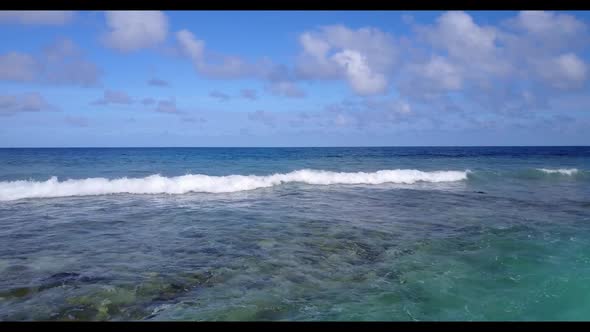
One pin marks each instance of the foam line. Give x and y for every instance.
(156, 184)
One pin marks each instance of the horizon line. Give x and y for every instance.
(285, 147)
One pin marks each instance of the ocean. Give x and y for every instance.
(311, 234)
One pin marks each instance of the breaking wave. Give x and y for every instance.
(562, 171)
(157, 184)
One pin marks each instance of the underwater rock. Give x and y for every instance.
(63, 276)
(66, 278)
(18, 292)
(102, 305)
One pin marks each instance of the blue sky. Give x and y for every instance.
(271, 78)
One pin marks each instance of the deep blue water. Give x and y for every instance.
(441, 233)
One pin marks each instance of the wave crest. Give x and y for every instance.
(562, 171)
(157, 184)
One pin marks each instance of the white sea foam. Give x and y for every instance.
(156, 184)
(563, 171)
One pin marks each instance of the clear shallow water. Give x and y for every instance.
(508, 242)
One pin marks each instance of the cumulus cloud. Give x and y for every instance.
(361, 77)
(61, 63)
(114, 97)
(36, 17)
(219, 95)
(461, 37)
(441, 73)
(506, 68)
(157, 82)
(133, 30)
(364, 57)
(471, 47)
(548, 28)
(434, 76)
(249, 94)
(453, 64)
(564, 71)
(11, 104)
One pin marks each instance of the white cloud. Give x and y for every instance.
(16, 66)
(438, 74)
(314, 63)
(133, 30)
(504, 66)
(360, 76)
(114, 97)
(64, 63)
(220, 66)
(571, 67)
(191, 46)
(564, 71)
(61, 62)
(500, 68)
(36, 17)
(548, 25)
(314, 46)
(461, 37)
(364, 57)
(472, 47)
(25, 102)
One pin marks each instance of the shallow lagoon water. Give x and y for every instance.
(510, 242)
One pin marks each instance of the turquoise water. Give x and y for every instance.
(240, 234)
